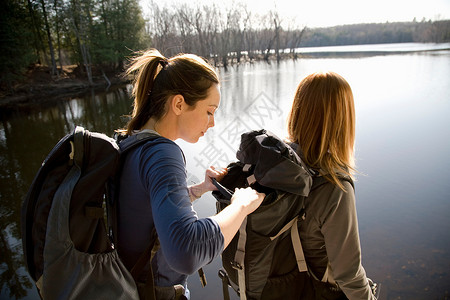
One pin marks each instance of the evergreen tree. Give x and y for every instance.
(16, 42)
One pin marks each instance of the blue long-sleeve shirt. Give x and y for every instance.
(153, 192)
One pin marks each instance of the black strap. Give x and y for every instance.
(126, 143)
(143, 260)
(129, 142)
(78, 145)
(223, 190)
(223, 275)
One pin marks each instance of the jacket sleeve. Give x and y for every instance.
(187, 242)
(340, 231)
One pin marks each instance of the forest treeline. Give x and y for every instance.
(97, 36)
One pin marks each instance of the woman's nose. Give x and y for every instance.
(211, 122)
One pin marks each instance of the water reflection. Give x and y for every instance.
(402, 146)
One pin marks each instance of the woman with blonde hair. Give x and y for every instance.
(321, 126)
(173, 98)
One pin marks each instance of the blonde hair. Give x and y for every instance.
(322, 123)
(157, 78)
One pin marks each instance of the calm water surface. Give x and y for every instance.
(403, 145)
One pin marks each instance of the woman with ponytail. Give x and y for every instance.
(321, 126)
(173, 98)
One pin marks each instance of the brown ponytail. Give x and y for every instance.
(157, 78)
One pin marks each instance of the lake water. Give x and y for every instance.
(402, 149)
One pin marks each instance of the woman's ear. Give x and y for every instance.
(177, 104)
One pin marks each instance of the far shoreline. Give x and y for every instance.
(47, 91)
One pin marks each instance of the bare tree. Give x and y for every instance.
(237, 30)
(248, 38)
(163, 29)
(266, 36)
(275, 17)
(294, 36)
(183, 16)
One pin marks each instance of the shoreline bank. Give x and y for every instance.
(39, 88)
(34, 94)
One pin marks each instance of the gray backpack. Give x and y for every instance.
(68, 250)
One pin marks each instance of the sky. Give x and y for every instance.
(325, 13)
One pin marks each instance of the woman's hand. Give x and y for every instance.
(243, 202)
(213, 172)
(248, 198)
(197, 190)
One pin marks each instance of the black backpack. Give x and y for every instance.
(69, 251)
(265, 259)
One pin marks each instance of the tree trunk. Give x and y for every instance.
(58, 35)
(84, 54)
(50, 43)
(37, 39)
(277, 39)
(87, 62)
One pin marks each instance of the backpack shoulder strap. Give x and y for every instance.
(239, 259)
(128, 143)
(296, 243)
(321, 180)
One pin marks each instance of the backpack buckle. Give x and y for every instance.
(236, 265)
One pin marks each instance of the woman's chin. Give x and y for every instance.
(193, 139)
